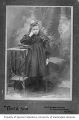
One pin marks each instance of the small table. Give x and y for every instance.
(57, 64)
(16, 65)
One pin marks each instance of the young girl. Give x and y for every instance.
(37, 54)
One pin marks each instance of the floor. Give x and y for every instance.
(58, 92)
(57, 89)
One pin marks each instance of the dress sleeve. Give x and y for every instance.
(46, 46)
(46, 42)
(26, 40)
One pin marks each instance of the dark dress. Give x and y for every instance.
(36, 58)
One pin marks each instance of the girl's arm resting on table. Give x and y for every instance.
(25, 40)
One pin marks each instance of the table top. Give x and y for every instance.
(56, 60)
(17, 49)
(18, 78)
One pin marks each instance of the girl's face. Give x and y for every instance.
(35, 30)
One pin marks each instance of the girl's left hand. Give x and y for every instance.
(47, 61)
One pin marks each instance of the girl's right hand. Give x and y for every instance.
(31, 33)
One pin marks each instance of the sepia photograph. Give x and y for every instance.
(39, 53)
